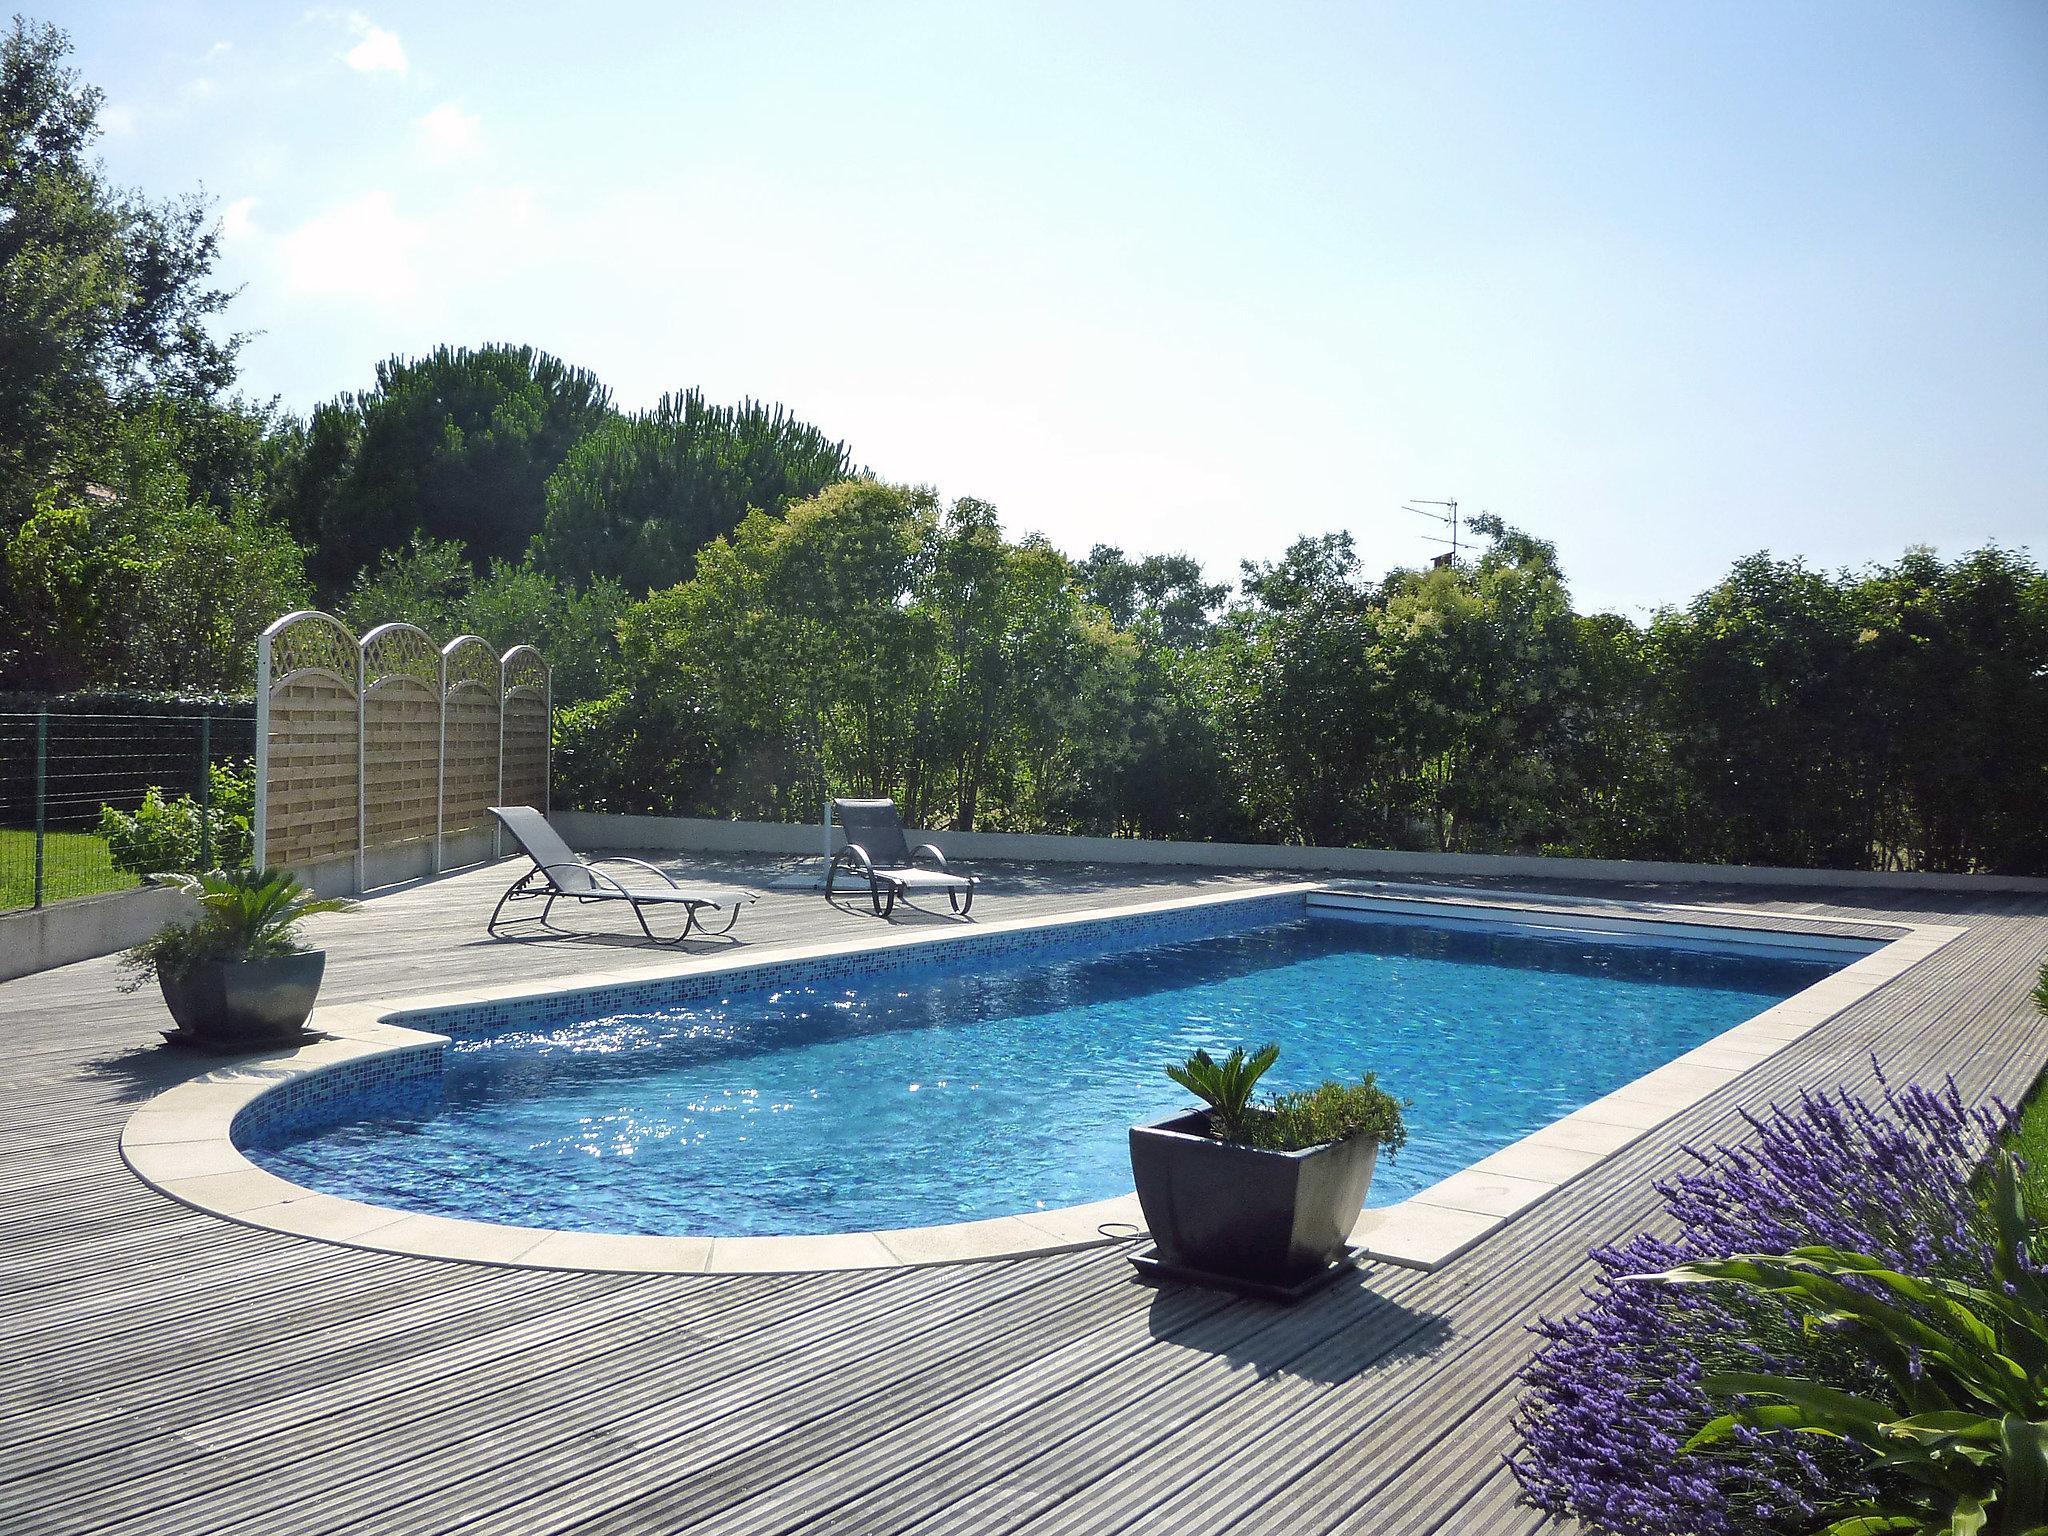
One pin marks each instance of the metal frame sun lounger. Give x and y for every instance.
(559, 875)
(877, 852)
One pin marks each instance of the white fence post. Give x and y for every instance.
(259, 819)
(441, 766)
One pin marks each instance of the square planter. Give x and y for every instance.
(1273, 1219)
(246, 1002)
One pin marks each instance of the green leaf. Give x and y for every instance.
(1824, 1403)
(2025, 1470)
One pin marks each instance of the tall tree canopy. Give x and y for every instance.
(457, 445)
(868, 641)
(636, 499)
(104, 295)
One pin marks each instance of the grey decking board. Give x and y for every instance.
(525, 1418)
(80, 1070)
(742, 1455)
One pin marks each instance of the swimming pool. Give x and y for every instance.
(933, 1090)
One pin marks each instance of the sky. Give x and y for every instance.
(1666, 284)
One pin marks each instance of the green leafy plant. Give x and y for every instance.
(244, 914)
(1956, 1434)
(1225, 1086)
(163, 834)
(1331, 1112)
(1288, 1122)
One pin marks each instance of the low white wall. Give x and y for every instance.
(91, 926)
(84, 929)
(590, 829)
(384, 867)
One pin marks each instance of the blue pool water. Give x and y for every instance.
(909, 1099)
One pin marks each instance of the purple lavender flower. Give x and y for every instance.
(1613, 1394)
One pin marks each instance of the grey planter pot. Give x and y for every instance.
(246, 1002)
(1273, 1219)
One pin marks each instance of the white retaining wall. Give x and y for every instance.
(84, 929)
(677, 834)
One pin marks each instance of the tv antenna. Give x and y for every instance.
(1448, 517)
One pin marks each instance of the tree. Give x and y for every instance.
(636, 499)
(1956, 704)
(104, 298)
(870, 642)
(431, 583)
(457, 445)
(138, 585)
(1762, 684)
(1164, 594)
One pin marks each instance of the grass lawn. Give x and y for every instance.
(2029, 1138)
(74, 864)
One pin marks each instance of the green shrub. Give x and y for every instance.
(1288, 1122)
(244, 914)
(1332, 1112)
(164, 836)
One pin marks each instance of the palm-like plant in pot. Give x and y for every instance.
(237, 974)
(1260, 1195)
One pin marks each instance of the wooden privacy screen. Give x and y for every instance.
(390, 741)
(469, 735)
(308, 802)
(523, 758)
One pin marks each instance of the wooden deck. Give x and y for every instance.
(164, 1372)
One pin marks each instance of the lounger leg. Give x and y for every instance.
(492, 926)
(516, 891)
(967, 902)
(730, 920)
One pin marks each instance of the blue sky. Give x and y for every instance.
(1664, 283)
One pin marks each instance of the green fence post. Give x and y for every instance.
(42, 793)
(205, 790)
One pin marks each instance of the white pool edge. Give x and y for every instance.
(181, 1142)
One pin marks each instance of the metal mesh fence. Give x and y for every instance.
(97, 802)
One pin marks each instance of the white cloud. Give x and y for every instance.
(360, 249)
(448, 133)
(238, 223)
(116, 121)
(200, 89)
(371, 251)
(377, 51)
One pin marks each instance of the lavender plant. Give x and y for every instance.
(1617, 1392)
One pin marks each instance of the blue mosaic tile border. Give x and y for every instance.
(317, 1097)
(1062, 941)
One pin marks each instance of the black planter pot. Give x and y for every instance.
(1275, 1220)
(245, 1002)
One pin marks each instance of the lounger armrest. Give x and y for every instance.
(588, 869)
(938, 854)
(620, 858)
(858, 855)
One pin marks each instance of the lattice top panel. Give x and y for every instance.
(470, 661)
(525, 674)
(400, 651)
(308, 641)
